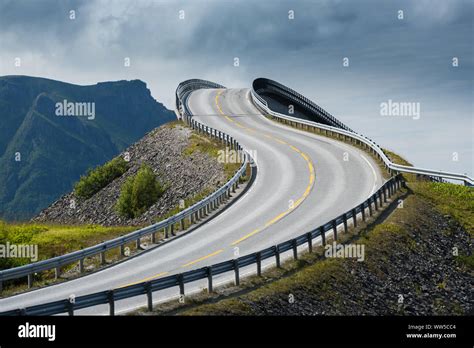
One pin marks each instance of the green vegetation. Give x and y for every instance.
(455, 200)
(54, 240)
(96, 179)
(212, 147)
(138, 193)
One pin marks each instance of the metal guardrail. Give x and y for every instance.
(353, 136)
(364, 209)
(186, 87)
(195, 212)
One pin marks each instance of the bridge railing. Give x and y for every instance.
(267, 85)
(194, 212)
(370, 145)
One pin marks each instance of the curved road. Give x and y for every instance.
(303, 180)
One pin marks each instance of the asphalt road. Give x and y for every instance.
(303, 181)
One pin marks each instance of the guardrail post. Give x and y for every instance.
(354, 217)
(309, 235)
(81, 266)
(277, 256)
(323, 235)
(70, 308)
(1, 285)
(375, 202)
(181, 284)
(259, 264)
(384, 194)
(149, 296)
(110, 297)
(102, 258)
(122, 250)
(209, 279)
(344, 221)
(236, 270)
(334, 229)
(30, 280)
(295, 249)
(362, 209)
(369, 202)
(165, 231)
(182, 224)
(171, 227)
(153, 238)
(57, 273)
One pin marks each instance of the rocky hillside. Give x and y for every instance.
(44, 150)
(165, 149)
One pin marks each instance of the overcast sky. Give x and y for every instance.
(404, 60)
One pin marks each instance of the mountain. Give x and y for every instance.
(44, 149)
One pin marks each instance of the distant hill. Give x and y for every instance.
(42, 153)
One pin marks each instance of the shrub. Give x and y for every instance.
(100, 177)
(138, 193)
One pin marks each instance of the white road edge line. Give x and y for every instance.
(373, 172)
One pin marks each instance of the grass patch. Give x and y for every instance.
(212, 147)
(451, 199)
(201, 143)
(55, 240)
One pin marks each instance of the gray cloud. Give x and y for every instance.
(405, 60)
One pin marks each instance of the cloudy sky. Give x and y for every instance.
(403, 60)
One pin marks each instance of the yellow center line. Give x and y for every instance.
(246, 236)
(145, 279)
(294, 148)
(203, 258)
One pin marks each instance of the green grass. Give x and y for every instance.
(55, 240)
(400, 160)
(212, 147)
(451, 199)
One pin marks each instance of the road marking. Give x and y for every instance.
(373, 172)
(246, 236)
(203, 258)
(144, 279)
(294, 148)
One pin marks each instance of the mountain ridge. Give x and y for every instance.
(42, 154)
